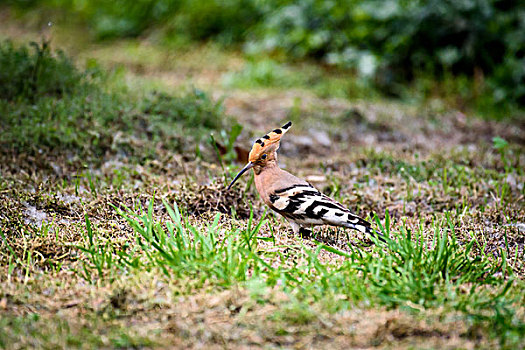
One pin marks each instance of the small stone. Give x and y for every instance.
(304, 141)
(321, 137)
(316, 178)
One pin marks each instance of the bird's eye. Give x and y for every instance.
(264, 156)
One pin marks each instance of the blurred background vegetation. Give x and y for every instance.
(471, 49)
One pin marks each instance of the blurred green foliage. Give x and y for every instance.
(394, 41)
(29, 75)
(389, 42)
(47, 103)
(225, 20)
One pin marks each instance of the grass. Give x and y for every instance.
(61, 103)
(266, 73)
(413, 271)
(123, 226)
(31, 330)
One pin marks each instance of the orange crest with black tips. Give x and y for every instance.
(264, 143)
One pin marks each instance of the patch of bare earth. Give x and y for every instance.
(33, 194)
(147, 307)
(50, 190)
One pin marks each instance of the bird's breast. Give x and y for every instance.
(262, 186)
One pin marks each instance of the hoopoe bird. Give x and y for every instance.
(295, 199)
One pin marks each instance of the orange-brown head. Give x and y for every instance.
(269, 142)
(264, 150)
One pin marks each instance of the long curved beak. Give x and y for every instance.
(247, 167)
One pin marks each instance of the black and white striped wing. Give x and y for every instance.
(305, 205)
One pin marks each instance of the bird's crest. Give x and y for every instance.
(262, 144)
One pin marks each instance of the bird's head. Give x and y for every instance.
(264, 150)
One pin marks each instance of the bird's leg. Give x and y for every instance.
(295, 227)
(301, 231)
(305, 232)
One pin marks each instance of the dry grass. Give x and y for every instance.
(45, 216)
